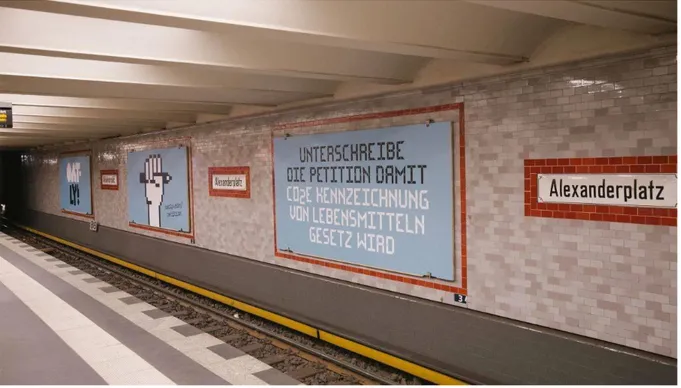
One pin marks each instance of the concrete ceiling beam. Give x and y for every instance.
(636, 16)
(155, 75)
(28, 133)
(100, 89)
(105, 114)
(370, 25)
(86, 38)
(114, 104)
(75, 121)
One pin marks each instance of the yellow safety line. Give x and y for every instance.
(301, 327)
(352, 346)
(387, 359)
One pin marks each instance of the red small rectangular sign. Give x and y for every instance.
(234, 182)
(109, 179)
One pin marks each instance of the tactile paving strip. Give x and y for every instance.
(231, 364)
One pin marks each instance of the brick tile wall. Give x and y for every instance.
(607, 280)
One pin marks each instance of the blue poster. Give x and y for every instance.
(75, 187)
(158, 188)
(381, 198)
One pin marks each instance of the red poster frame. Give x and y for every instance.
(384, 274)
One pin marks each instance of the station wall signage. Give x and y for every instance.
(5, 115)
(381, 198)
(158, 189)
(109, 179)
(232, 182)
(75, 189)
(629, 189)
(650, 190)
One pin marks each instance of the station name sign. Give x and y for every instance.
(109, 179)
(639, 190)
(232, 182)
(229, 182)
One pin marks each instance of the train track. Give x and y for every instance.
(306, 359)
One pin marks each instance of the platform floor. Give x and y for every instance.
(59, 325)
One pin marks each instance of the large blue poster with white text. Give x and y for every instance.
(75, 187)
(381, 198)
(158, 188)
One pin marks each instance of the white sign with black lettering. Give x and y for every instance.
(110, 179)
(229, 182)
(650, 190)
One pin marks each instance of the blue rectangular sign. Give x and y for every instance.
(158, 188)
(75, 187)
(380, 198)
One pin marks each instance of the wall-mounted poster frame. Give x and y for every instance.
(75, 183)
(108, 179)
(232, 182)
(153, 169)
(459, 289)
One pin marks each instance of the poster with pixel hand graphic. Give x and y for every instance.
(158, 189)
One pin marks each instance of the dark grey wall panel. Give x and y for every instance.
(12, 185)
(480, 347)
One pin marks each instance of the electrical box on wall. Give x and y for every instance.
(5, 115)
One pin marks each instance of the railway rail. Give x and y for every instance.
(303, 358)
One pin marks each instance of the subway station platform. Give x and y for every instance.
(61, 326)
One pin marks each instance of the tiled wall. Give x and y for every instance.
(612, 281)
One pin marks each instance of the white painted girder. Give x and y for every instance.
(72, 134)
(663, 9)
(42, 127)
(91, 70)
(100, 127)
(78, 121)
(19, 142)
(86, 38)
(32, 133)
(105, 114)
(28, 139)
(94, 67)
(114, 104)
(207, 118)
(99, 89)
(425, 28)
(604, 13)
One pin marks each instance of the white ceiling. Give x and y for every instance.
(87, 69)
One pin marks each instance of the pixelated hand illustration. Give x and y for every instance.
(154, 180)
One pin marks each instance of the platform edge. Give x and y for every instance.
(349, 345)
